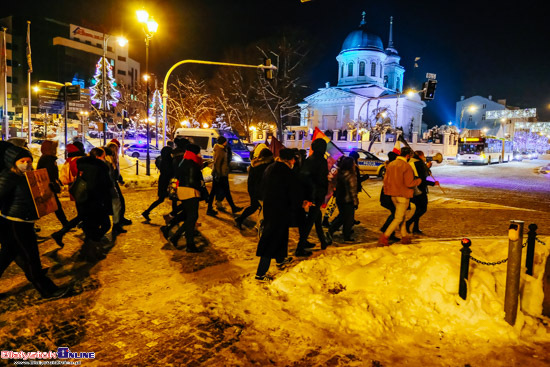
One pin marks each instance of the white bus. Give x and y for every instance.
(484, 150)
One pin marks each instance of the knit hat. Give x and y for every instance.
(222, 140)
(115, 141)
(15, 153)
(49, 147)
(71, 148)
(286, 154)
(193, 148)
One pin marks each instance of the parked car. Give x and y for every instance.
(518, 156)
(368, 163)
(528, 155)
(140, 151)
(534, 155)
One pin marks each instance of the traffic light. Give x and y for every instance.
(429, 90)
(268, 72)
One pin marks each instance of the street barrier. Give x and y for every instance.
(515, 236)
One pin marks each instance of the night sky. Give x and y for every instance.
(474, 48)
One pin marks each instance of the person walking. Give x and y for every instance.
(166, 173)
(255, 175)
(119, 180)
(96, 205)
(220, 185)
(314, 184)
(71, 171)
(386, 202)
(420, 197)
(346, 199)
(281, 202)
(191, 190)
(17, 217)
(399, 182)
(48, 160)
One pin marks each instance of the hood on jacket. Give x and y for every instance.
(319, 146)
(49, 147)
(261, 160)
(13, 154)
(259, 148)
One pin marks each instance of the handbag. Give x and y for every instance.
(79, 190)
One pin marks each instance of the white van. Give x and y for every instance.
(207, 138)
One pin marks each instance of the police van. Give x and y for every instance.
(207, 138)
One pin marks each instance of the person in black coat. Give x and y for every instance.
(97, 207)
(18, 214)
(257, 169)
(281, 202)
(314, 182)
(48, 160)
(166, 173)
(191, 190)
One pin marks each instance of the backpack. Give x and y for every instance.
(158, 162)
(65, 175)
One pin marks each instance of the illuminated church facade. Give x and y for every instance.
(369, 90)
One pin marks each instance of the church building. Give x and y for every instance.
(369, 90)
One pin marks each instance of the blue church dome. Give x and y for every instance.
(361, 39)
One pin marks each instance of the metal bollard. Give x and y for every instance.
(531, 236)
(464, 267)
(511, 297)
(137, 167)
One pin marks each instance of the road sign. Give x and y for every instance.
(50, 97)
(431, 76)
(73, 92)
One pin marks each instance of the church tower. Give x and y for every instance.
(393, 72)
(362, 58)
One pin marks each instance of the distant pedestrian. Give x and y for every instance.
(281, 202)
(119, 181)
(399, 182)
(18, 214)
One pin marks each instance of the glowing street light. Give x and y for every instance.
(205, 125)
(471, 108)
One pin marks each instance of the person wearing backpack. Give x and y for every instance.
(48, 160)
(166, 169)
(67, 175)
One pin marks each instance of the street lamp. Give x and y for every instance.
(83, 114)
(149, 28)
(122, 42)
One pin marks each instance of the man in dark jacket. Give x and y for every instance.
(97, 206)
(420, 198)
(166, 174)
(314, 182)
(18, 214)
(257, 168)
(48, 160)
(281, 201)
(190, 191)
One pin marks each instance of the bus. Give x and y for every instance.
(484, 150)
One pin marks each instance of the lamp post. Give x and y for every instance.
(149, 28)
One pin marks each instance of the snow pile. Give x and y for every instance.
(398, 293)
(140, 180)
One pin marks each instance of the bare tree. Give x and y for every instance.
(282, 94)
(189, 100)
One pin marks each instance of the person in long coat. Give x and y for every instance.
(281, 202)
(48, 160)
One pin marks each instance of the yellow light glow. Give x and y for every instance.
(384, 114)
(145, 77)
(35, 88)
(410, 92)
(142, 16)
(205, 125)
(152, 26)
(122, 41)
(252, 128)
(472, 108)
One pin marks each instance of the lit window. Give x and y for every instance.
(361, 68)
(350, 69)
(373, 69)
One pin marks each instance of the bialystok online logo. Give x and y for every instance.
(62, 353)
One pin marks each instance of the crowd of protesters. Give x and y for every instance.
(288, 188)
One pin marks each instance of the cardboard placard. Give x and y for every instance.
(42, 195)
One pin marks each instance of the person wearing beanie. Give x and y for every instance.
(115, 141)
(17, 217)
(191, 191)
(48, 160)
(280, 203)
(255, 174)
(314, 184)
(220, 185)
